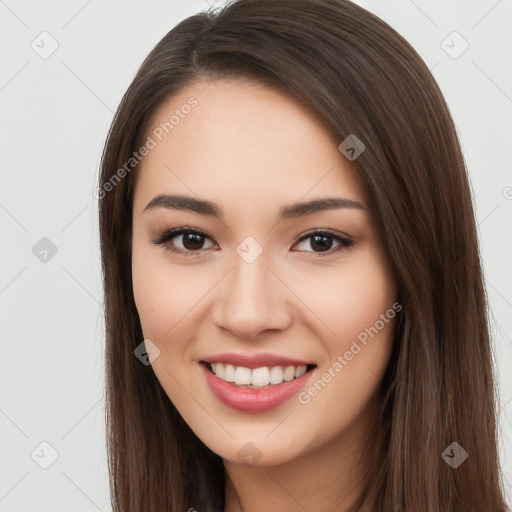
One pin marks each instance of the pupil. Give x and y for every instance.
(193, 241)
(324, 245)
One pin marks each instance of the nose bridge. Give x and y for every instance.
(250, 280)
(251, 299)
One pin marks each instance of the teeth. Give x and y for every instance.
(229, 373)
(276, 375)
(301, 370)
(242, 375)
(258, 377)
(289, 373)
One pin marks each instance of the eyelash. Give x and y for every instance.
(164, 237)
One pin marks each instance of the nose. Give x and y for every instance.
(251, 300)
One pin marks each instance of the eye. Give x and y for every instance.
(189, 241)
(323, 241)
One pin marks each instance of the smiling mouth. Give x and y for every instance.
(257, 378)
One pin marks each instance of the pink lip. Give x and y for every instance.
(253, 400)
(255, 361)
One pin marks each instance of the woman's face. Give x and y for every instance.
(251, 286)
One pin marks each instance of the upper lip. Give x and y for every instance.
(255, 360)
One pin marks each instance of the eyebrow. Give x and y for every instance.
(203, 207)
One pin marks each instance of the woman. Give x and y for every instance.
(295, 314)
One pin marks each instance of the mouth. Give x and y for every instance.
(263, 377)
(259, 389)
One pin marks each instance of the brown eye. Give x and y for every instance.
(192, 241)
(183, 241)
(323, 241)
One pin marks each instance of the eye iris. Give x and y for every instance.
(192, 241)
(321, 242)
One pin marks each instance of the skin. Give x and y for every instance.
(252, 150)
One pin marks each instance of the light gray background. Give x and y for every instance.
(54, 117)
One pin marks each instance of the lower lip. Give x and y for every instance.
(253, 400)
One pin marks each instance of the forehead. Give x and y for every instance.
(239, 140)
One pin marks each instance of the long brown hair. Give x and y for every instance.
(360, 77)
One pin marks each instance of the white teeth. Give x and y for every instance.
(258, 377)
(289, 373)
(242, 375)
(300, 370)
(229, 373)
(276, 375)
(219, 370)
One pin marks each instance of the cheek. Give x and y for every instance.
(164, 297)
(162, 293)
(149, 285)
(169, 298)
(349, 300)
(359, 308)
(160, 297)
(367, 295)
